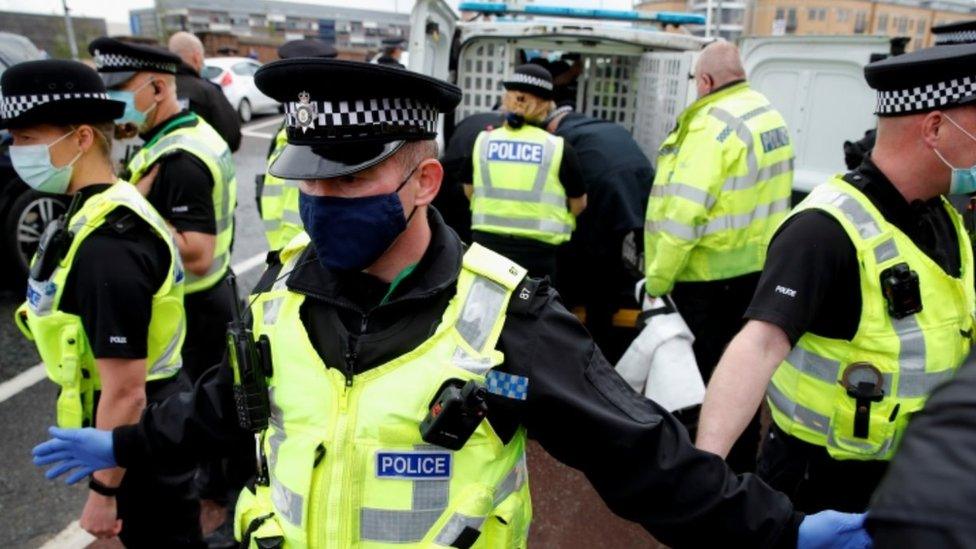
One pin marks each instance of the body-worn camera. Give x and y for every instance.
(454, 414)
(900, 287)
(55, 243)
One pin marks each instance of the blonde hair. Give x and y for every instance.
(528, 106)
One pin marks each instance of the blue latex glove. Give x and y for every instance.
(82, 450)
(833, 530)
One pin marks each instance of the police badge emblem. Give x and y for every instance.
(305, 112)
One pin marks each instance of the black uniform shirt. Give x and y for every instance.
(811, 280)
(208, 100)
(114, 275)
(183, 189)
(636, 455)
(570, 172)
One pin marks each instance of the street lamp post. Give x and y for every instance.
(70, 30)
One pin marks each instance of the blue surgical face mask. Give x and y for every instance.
(350, 234)
(132, 114)
(963, 179)
(33, 164)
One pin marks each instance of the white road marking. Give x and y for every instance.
(261, 135)
(35, 373)
(263, 123)
(72, 537)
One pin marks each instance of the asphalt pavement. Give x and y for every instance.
(32, 509)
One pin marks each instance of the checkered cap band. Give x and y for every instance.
(361, 117)
(120, 62)
(929, 96)
(519, 78)
(507, 385)
(13, 106)
(958, 37)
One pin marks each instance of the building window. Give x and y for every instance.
(902, 24)
(860, 22)
(790, 20)
(882, 23)
(822, 14)
(780, 14)
(812, 14)
(843, 15)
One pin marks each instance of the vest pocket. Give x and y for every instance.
(508, 524)
(844, 442)
(255, 522)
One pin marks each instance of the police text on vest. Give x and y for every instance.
(515, 151)
(414, 465)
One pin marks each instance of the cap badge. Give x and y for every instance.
(305, 112)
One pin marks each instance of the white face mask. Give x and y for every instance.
(33, 164)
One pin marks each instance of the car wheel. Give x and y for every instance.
(244, 110)
(26, 220)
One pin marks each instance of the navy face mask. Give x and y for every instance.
(350, 234)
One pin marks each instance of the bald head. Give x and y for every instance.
(718, 65)
(189, 48)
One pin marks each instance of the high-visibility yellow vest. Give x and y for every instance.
(279, 203)
(723, 184)
(913, 354)
(348, 466)
(203, 142)
(60, 337)
(516, 185)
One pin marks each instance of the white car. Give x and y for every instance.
(235, 75)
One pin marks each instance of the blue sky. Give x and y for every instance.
(118, 10)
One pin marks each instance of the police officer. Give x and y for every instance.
(392, 51)
(105, 294)
(407, 372)
(201, 95)
(278, 198)
(527, 186)
(866, 299)
(723, 183)
(186, 171)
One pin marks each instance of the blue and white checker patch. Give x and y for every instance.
(421, 465)
(515, 151)
(507, 385)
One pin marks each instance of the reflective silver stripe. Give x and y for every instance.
(852, 210)
(455, 527)
(920, 384)
(277, 420)
(480, 312)
(686, 191)
(541, 225)
(548, 151)
(272, 191)
(388, 526)
(286, 501)
(162, 364)
(517, 195)
(815, 365)
(291, 216)
(866, 447)
(797, 412)
(669, 149)
(885, 251)
(723, 223)
(271, 307)
(429, 500)
(745, 134)
(512, 481)
(741, 182)
(755, 112)
(223, 224)
(272, 224)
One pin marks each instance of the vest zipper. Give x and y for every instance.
(339, 506)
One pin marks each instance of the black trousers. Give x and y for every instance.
(159, 509)
(537, 257)
(814, 480)
(713, 311)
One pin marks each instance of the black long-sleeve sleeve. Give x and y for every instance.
(185, 428)
(638, 457)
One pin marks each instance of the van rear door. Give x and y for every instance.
(432, 24)
(817, 83)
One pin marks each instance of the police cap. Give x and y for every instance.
(119, 61)
(962, 32)
(933, 78)
(342, 117)
(54, 91)
(531, 78)
(307, 47)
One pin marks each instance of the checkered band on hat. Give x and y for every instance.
(519, 78)
(929, 96)
(958, 37)
(121, 62)
(361, 117)
(13, 106)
